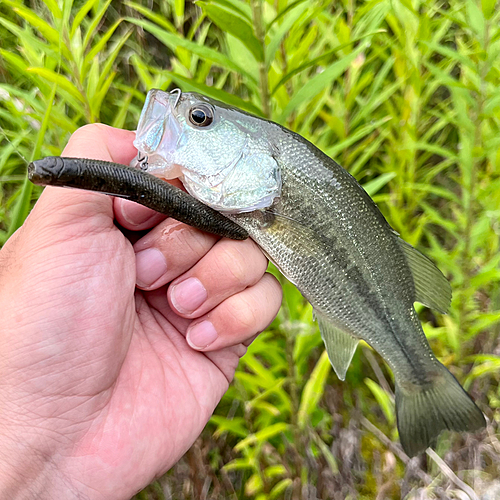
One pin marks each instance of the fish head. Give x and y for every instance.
(223, 156)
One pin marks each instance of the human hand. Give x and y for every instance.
(102, 385)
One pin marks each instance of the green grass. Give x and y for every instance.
(405, 95)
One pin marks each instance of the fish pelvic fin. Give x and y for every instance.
(424, 411)
(431, 287)
(339, 344)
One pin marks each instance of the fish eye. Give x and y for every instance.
(201, 115)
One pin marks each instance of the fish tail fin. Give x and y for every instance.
(423, 411)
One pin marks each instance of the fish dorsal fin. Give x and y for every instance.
(339, 344)
(431, 287)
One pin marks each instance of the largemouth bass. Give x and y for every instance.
(326, 235)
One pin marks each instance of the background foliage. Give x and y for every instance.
(405, 94)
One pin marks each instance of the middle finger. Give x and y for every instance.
(167, 251)
(228, 268)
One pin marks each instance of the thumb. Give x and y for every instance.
(61, 206)
(62, 214)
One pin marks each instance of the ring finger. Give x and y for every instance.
(237, 319)
(228, 268)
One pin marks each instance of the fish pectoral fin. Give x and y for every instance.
(339, 344)
(431, 287)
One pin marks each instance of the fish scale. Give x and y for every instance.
(325, 234)
(329, 280)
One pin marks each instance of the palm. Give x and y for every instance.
(159, 397)
(144, 387)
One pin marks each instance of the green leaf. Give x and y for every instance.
(99, 46)
(319, 83)
(454, 55)
(111, 57)
(14, 59)
(374, 186)
(22, 205)
(189, 85)
(488, 8)
(80, 15)
(239, 464)
(313, 390)
(476, 19)
(95, 103)
(491, 364)
(235, 425)
(317, 60)
(92, 29)
(172, 41)
(356, 136)
(291, 18)
(253, 485)
(275, 470)
(58, 79)
(143, 72)
(284, 12)
(28, 39)
(123, 109)
(254, 364)
(376, 100)
(54, 8)
(159, 19)
(179, 12)
(438, 191)
(228, 20)
(50, 33)
(327, 453)
(280, 488)
(383, 399)
(262, 436)
(241, 8)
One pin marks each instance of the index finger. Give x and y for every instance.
(102, 142)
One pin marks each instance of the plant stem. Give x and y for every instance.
(469, 190)
(260, 34)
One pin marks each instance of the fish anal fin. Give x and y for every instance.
(431, 287)
(340, 345)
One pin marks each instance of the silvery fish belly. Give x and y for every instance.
(326, 235)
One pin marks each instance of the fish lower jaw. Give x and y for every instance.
(165, 170)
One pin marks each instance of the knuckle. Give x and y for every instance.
(196, 242)
(234, 262)
(276, 292)
(187, 238)
(89, 130)
(245, 315)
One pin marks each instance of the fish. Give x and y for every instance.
(325, 234)
(133, 184)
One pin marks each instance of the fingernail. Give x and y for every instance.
(151, 265)
(188, 295)
(201, 335)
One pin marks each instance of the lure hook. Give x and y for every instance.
(142, 161)
(178, 93)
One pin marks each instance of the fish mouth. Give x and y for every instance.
(159, 132)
